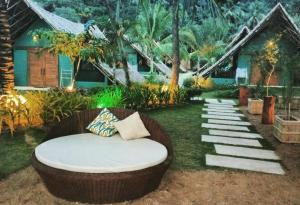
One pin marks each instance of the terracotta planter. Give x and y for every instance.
(287, 131)
(243, 97)
(255, 106)
(268, 110)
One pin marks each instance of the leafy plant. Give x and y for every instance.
(110, 97)
(59, 104)
(269, 59)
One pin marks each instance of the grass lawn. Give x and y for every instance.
(15, 152)
(183, 124)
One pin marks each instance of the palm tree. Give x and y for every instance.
(6, 60)
(151, 27)
(175, 32)
(116, 51)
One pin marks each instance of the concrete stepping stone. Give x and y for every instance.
(229, 122)
(244, 164)
(230, 140)
(231, 102)
(220, 117)
(196, 98)
(222, 108)
(225, 127)
(226, 113)
(218, 105)
(218, 110)
(235, 134)
(211, 100)
(246, 152)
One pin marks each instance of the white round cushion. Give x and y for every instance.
(90, 153)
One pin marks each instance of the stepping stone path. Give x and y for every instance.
(246, 152)
(218, 110)
(228, 122)
(220, 117)
(234, 134)
(225, 127)
(236, 147)
(231, 140)
(245, 164)
(218, 105)
(231, 102)
(226, 113)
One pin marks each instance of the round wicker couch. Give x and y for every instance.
(104, 187)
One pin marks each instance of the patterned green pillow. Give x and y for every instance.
(103, 124)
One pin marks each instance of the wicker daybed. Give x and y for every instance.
(102, 187)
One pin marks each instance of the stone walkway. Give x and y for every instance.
(235, 145)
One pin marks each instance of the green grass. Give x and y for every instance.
(15, 152)
(183, 124)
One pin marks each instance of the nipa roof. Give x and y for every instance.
(23, 12)
(277, 11)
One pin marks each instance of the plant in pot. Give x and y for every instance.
(255, 103)
(286, 127)
(269, 60)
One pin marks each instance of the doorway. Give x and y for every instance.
(43, 68)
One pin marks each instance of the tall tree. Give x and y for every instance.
(175, 32)
(116, 50)
(6, 61)
(151, 26)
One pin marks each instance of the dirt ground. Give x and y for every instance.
(188, 187)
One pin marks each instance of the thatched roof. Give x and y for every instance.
(277, 12)
(118, 74)
(22, 13)
(238, 37)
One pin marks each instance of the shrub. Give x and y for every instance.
(200, 82)
(192, 92)
(188, 82)
(59, 104)
(110, 97)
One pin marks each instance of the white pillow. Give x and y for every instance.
(131, 127)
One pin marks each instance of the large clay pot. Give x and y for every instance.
(244, 94)
(268, 114)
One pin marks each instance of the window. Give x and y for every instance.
(88, 73)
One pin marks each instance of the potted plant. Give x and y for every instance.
(269, 60)
(286, 127)
(255, 104)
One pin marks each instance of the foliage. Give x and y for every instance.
(188, 82)
(269, 59)
(291, 66)
(59, 104)
(192, 92)
(110, 97)
(198, 82)
(154, 78)
(257, 92)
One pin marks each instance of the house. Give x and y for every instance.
(36, 68)
(242, 53)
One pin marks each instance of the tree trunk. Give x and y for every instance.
(126, 70)
(175, 32)
(6, 60)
